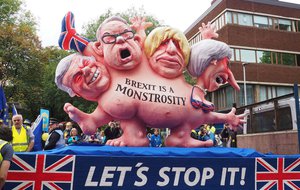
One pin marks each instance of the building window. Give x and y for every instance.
(232, 54)
(270, 22)
(298, 25)
(263, 57)
(285, 24)
(262, 93)
(288, 59)
(237, 55)
(283, 90)
(260, 21)
(248, 56)
(229, 93)
(298, 60)
(245, 19)
(250, 94)
(228, 17)
(235, 18)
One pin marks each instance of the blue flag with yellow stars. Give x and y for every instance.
(3, 107)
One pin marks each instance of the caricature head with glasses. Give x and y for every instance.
(120, 47)
(112, 38)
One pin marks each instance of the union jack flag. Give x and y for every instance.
(41, 172)
(69, 39)
(279, 173)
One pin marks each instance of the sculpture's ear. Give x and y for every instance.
(214, 62)
(93, 49)
(98, 48)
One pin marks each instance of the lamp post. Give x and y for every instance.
(245, 96)
(245, 89)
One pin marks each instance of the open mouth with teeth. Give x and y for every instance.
(95, 76)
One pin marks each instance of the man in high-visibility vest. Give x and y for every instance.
(6, 153)
(23, 137)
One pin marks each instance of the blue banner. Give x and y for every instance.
(45, 115)
(48, 171)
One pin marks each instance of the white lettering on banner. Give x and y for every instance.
(232, 172)
(168, 176)
(165, 177)
(107, 175)
(88, 181)
(123, 171)
(208, 173)
(141, 175)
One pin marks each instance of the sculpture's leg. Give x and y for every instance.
(134, 134)
(181, 137)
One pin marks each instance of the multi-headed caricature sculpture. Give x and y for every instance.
(137, 80)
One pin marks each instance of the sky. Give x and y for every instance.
(49, 13)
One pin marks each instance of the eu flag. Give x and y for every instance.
(3, 107)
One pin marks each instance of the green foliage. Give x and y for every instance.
(9, 10)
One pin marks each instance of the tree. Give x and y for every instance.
(20, 53)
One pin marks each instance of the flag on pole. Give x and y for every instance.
(3, 107)
(37, 129)
(14, 110)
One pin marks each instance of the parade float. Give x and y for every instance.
(137, 80)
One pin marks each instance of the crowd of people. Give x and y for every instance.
(20, 137)
(225, 138)
(69, 133)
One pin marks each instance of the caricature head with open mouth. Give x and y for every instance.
(118, 44)
(209, 63)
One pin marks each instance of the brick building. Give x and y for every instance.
(265, 36)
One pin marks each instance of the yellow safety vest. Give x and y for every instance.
(20, 141)
(2, 143)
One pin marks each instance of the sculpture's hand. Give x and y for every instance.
(140, 24)
(208, 31)
(236, 121)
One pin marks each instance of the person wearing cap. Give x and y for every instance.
(23, 137)
(6, 153)
(56, 137)
(27, 123)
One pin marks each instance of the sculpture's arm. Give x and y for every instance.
(230, 118)
(140, 25)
